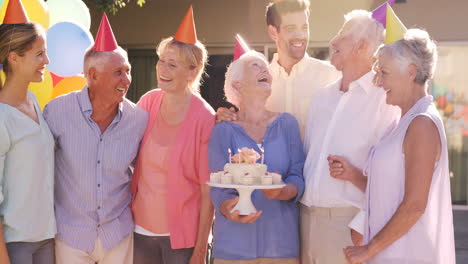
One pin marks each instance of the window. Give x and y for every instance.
(143, 63)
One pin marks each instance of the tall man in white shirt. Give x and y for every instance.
(346, 118)
(296, 76)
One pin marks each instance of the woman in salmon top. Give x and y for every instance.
(172, 208)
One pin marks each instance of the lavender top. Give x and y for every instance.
(93, 170)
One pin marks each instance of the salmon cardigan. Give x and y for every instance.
(188, 166)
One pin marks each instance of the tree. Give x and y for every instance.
(111, 6)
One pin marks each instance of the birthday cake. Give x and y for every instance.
(244, 170)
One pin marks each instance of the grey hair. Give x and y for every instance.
(363, 26)
(415, 48)
(97, 59)
(235, 72)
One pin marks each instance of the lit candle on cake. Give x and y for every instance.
(229, 150)
(240, 153)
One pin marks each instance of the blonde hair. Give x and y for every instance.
(415, 48)
(195, 55)
(17, 38)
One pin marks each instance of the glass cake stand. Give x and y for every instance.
(245, 205)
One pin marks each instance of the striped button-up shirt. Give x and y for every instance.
(93, 170)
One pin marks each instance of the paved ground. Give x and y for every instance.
(460, 219)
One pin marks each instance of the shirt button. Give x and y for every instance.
(99, 207)
(99, 185)
(98, 161)
(100, 139)
(98, 225)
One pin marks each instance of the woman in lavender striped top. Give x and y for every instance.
(408, 201)
(27, 216)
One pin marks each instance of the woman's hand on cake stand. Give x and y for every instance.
(227, 206)
(288, 192)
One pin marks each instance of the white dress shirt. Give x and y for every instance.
(292, 93)
(344, 124)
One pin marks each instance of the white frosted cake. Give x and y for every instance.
(245, 171)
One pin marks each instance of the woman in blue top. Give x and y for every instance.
(271, 235)
(27, 221)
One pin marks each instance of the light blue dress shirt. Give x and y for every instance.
(93, 170)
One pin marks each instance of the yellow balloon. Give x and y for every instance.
(2, 76)
(42, 90)
(68, 85)
(37, 11)
(449, 109)
(3, 10)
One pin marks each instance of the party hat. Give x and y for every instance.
(186, 32)
(105, 40)
(15, 13)
(240, 48)
(380, 13)
(395, 28)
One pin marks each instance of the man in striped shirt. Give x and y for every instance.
(97, 133)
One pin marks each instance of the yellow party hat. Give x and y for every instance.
(395, 28)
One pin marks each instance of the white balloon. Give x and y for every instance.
(70, 11)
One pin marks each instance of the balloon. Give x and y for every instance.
(66, 45)
(449, 96)
(3, 10)
(42, 90)
(441, 102)
(69, 10)
(56, 79)
(449, 109)
(438, 89)
(68, 85)
(37, 11)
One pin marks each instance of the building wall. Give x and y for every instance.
(217, 21)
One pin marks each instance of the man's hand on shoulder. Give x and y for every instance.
(226, 115)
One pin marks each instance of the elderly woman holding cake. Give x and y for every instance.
(272, 233)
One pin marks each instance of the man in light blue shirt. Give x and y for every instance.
(97, 133)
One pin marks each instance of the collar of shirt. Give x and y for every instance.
(87, 107)
(296, 69)
(365, 82)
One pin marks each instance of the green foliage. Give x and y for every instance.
(112, 6)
